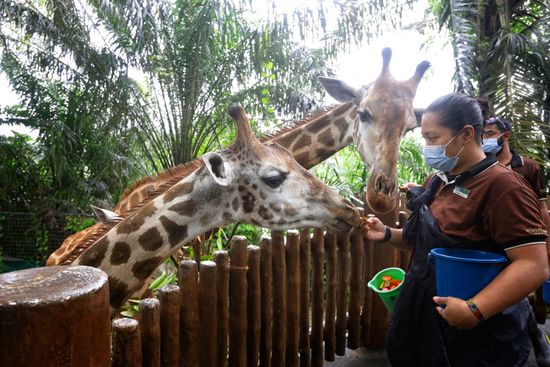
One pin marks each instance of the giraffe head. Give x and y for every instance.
(269, 188)
(384, 114)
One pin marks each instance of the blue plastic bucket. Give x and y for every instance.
(462, 273)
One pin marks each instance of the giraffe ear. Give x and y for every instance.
(339, 90)
(105, 216)
(218, 168)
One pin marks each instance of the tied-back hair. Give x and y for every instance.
(457, 110)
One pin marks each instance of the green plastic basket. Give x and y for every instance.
(388, 297)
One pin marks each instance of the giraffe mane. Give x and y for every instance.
(179, 171)
(173, 175)
(307, 119)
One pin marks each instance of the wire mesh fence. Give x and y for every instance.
(30, 236)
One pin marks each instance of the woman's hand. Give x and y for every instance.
(456, 312)
(373, 229)
(405, 187)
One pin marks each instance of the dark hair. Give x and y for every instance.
(485, 109)
(501, 123)
(456, 110)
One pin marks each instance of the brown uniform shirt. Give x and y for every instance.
(530, 171)
(489, 205)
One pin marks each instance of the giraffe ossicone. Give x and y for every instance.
(249, 182)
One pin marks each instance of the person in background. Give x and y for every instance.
(496, 136)
(471, 202)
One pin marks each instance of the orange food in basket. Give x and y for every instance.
(388, 283)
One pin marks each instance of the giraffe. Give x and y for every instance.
(251, 182)
(373, 117)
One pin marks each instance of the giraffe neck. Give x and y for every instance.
(320, 138)
(310, 142)
(135, 247)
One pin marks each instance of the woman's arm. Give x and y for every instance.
(527, 270)
(375, 230)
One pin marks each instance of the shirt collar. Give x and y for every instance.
(516, 161)
(489, 161)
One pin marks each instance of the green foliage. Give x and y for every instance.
(74, 223)
(502, 54)
(411, 166)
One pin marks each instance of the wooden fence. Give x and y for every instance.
(295, 300)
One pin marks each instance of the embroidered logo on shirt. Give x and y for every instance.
(537, 231)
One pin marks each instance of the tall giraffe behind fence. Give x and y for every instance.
(373, 117)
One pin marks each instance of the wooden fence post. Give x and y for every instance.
(149, 320)
(356, 287)
(342, 297)
(170, 301)
(207, 314)
(330, 311)
(279, 299)
(237, 302)
(317, 308)
(292, 258)
(126, 343)
(222, 285)
(188, 281)
(55, 316)
(266, 281)
(253, 306)
(305, 288)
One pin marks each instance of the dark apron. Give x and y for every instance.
(418, 336)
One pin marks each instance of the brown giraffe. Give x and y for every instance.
(385, 114)
(249, 182)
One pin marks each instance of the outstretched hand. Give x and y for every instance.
(456, 312)
(373, 229)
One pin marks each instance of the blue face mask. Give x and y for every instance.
(436, 158)
(492, 145)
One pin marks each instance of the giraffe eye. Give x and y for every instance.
(274, 181)
(364, 116)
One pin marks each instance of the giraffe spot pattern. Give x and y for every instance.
(95, 254)
(176, 232)
(342, 126)
(186, 208)
(302, 158)
(150, 240)
(248, 202)
(142, 269)
(135, 222)
(264, 213)
(304, 141)
(326, 138)
(320, 125)
(178, 190)
(121, 253)
(290, 211)
(117, 292)
(275, 206)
